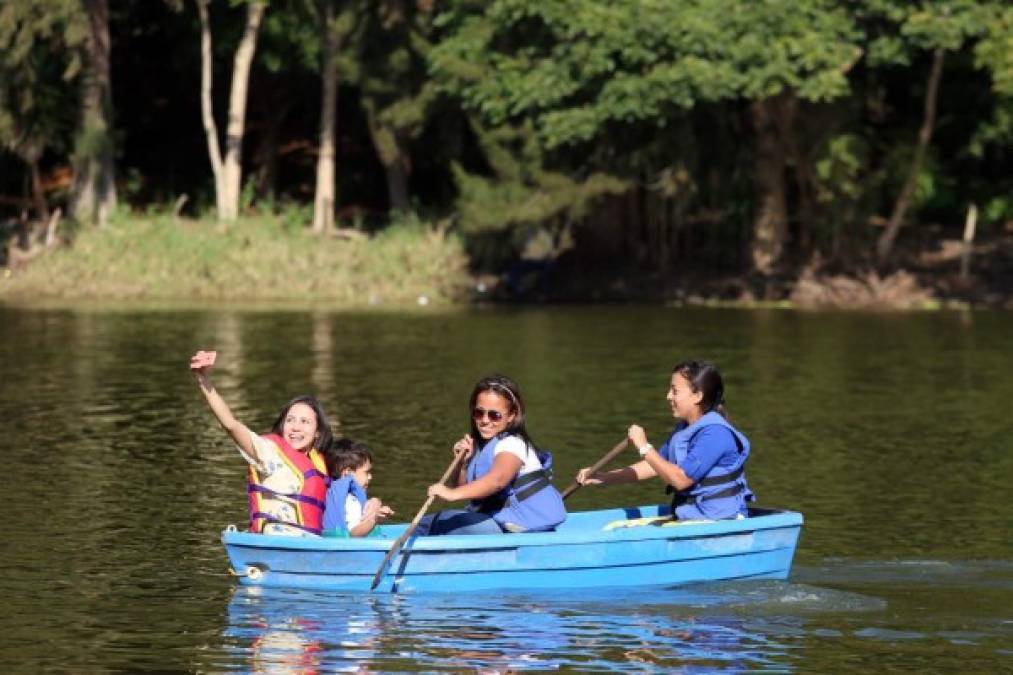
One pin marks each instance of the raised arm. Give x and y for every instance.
(200, 365)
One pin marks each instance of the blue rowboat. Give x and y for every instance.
(639, 546)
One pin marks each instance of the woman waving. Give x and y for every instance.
(287, 477)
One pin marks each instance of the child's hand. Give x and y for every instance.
(376, 509)
(202, 361)
(585, 477)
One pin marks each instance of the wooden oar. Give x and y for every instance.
(612, 454)
(399, 542)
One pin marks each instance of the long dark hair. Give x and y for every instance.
(508, 389)
(323, 426)
(705, 378)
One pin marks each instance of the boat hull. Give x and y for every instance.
(591, 549)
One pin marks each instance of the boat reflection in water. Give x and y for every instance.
(700, 627)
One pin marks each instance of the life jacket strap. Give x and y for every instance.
(268, 518)
(284, 495)
(682, 499)
(523, 486)
(530, 483)
(313, 473)
(711, 481)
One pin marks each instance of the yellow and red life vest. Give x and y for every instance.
(308, 502)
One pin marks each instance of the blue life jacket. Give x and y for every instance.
(723, 492)
(334, 513)
(529, 502)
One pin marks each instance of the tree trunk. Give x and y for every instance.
(38, 193)
(94, 191)
(397, 184)
(395, 162)
(770, 226)
(265, 158)
(232, 165)
(207, 107)
(663, 209)
(323, 202)
(885, 244)
(805, 182)
(804, 176)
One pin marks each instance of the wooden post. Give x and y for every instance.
(51, 225)
(965, 254)
(178, 206)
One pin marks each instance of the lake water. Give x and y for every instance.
(891, 433)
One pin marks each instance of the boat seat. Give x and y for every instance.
(652, 521)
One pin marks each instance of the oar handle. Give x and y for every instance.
(399, 542)
(609, 456)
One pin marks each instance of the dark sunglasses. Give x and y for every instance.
(478, 413)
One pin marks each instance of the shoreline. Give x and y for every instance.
(162, 263)
(282, 305)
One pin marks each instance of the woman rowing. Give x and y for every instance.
(703, 461)
(507, 479)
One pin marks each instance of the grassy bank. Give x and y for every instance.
(159, 258)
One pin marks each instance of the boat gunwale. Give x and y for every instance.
(768, 519)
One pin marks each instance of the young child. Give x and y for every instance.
(348, 512)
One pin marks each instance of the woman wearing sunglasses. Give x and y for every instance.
(506, 478)
(703, 462)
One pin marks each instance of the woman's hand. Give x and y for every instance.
(637, 436)
(442, 491)
(200, 366)
(201, 363)
(585, 477)
(466, 445)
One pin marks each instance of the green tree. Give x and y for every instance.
(389, 62)
(994, 53)
(938, 27)
(578, 69)
(94, 192)
(521, 190)
(37, 68)
(331, 31)
(227, 169)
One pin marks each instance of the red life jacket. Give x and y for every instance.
(308, 501)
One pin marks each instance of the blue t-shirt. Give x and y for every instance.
(710, 445)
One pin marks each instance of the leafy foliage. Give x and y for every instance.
(575, 66)
(37, 67)
(633, 119)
